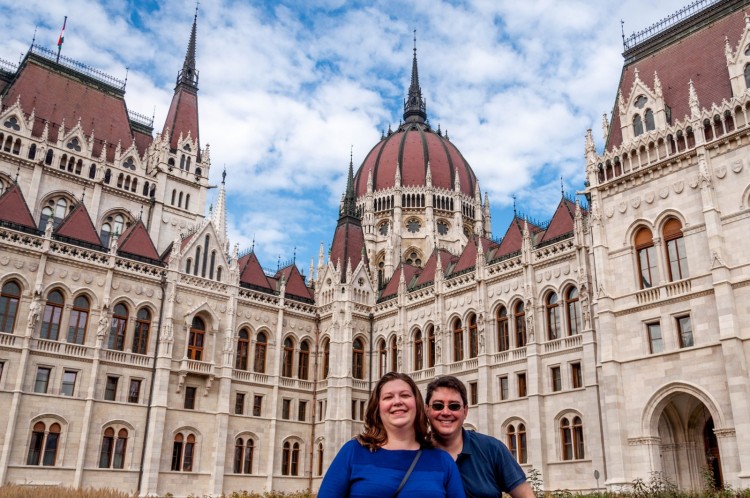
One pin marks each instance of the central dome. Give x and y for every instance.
(412, 148)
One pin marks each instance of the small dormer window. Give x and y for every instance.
(74, 144)
(637, 125)
(640, 101)
(129, 163)
(12, 123)
(649, 118)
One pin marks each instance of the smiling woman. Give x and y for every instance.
(393, 455)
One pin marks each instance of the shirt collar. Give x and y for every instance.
(468, 441)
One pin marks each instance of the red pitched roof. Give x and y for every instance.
(13, 207)
(513, 238)
(392, 287)
(428, 273)
(78, 225)
(562, 221)
(295, 284)
(136, 240)
(696, 55)
(56, 97)
(347, 245)
(251, 272)
(182, 117)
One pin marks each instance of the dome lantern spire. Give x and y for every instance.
(415, 108)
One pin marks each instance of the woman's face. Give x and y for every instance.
(397, 406)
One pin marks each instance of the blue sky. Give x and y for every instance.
(287, 88)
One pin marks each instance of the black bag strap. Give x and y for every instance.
(408, 473)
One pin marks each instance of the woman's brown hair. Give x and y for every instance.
(374, 435)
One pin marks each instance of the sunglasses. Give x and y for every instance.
(439, 406)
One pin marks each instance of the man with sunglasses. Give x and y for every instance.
(487, 467)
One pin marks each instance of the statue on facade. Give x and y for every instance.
(34, 309)
(101, 329)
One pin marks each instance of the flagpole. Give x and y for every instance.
(61, 39)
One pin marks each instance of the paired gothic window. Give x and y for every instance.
(320, 459)
(290, 459)
(473, 337)
(140, 335)
(676, 255)
(520, 322)
(288, 358)
(552, 308)
(382, 358)
(261, 346)
(9, 298)
(571, 438)
(52, 315)
(113, 450)
(646, 253)
(195, 340)
(458, 341)
(183, 452)
(358, 359)
(517, 442)
(503, 329)
(394, 355)
(243, 349)
(418, 351)
(303, 363)
(44, 444)
(573, 305)
(114, 224)
(117, 328)
(431, 346)
(56, 209)
(244, 449)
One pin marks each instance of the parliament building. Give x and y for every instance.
(141, 349)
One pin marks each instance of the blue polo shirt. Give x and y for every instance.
(487, 467)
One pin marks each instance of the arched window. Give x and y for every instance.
(244, 450)
(120, 179)
(326, 357)
(50, 156)
(320, 459)
(195, 341)
(187, 201)
(637, 125)
(79, 318)
(46, 215)
(520, 322)
(261, 344)
(179, 200)
(213, 263)
(61, 209)
(394, 355)
(243, 350)
(188, 264)
(678, 267)
(552, 308)
(142, 327)
(431, 346)
(92, 171)
(418, 351)
(183, 450)
(114, 448)
(174, 196)
(473, 337)
(290, 459)
(644, 246)
(358, 359)
(503, 329)
(517, 442)
(571, 438)
(9, 297)
(649, 118)
(573, 305)
(117, 328)
(304, 360)
(747, 76)
(43, 444)
(107, 176)
(288, 358)
(105, 234)
(458, 341)
(382, 358)
(52, 315)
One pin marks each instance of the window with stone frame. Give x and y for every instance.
(9, 299)
(519, 319)
(571, 438)
(79, 318)
(418, 350)
(675, 247)
(573, 307)
(655, 339)
(195, 339)
(290, 458)
(239, 403)
(118, 326)
(257, 405)
(110, 388)
(287, 365)
(555, 379)
(358, 359)
(503, 329)
(473, 336)
(458, 340)
(44, 444)
(183, 452)
(244, 453)
(552, 315)
(113, 448)
(52, 316)
(261, 346)
(516, 441)
(646, 257)
(576, 375)
(685, 331)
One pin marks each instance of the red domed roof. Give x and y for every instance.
(412, 147)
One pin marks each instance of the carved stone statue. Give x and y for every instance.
(34, 309)
(101, 328)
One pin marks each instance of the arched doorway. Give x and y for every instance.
(687, 444)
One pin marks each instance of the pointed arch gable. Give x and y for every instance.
(205, 310)
(667, 214)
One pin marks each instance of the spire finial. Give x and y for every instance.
(562, 187)
(515, 213)
(252, 248)
(294, 255)
(415, 109)
(188, 75)
(18, 172)
(224, 175)
(349, 207)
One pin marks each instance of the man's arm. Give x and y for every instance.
(523, 490)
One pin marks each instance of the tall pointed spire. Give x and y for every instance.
(349, 206)
(415, 108)
(219, 217)
(188, 75)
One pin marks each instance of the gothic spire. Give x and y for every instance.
(219, 215)
(188, 75)
(349, 206)
(415, 108)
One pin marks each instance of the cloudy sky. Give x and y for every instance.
(288, 88)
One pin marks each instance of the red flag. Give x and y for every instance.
(62, 33)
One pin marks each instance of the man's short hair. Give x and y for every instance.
(449, 382)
